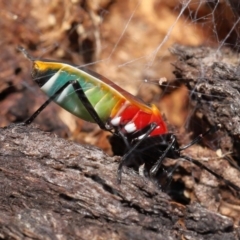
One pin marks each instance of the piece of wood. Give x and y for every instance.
(212, 76)
(52, 188)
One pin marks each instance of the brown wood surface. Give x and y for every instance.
(212, 76)
(56, 189)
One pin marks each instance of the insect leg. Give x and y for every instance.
(155, 168)
(199, 164)
(201, 136)
(82, 97)
(31, 118)
(149, 128)
(168, 177)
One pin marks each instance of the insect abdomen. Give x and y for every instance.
(101, 98)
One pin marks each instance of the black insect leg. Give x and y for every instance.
(149, 128)
(168, 177)
(175, 150)
(31, 118)
(82, 97)
(155, 168)
(124, 138)
(199, 164)
(200, 137)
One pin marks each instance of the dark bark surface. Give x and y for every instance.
(213, 76)
(56, 189)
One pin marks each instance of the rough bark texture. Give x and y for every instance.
(56, 189)
(212, 76)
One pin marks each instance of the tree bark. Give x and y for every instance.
(212, 77)
(52, 188)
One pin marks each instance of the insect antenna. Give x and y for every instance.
(25, 53)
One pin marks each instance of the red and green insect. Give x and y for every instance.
(96, 99)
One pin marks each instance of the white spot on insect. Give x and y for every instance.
(130, 127)
(115, 121)
(141, 137)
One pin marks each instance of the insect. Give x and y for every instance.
(96, 99)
